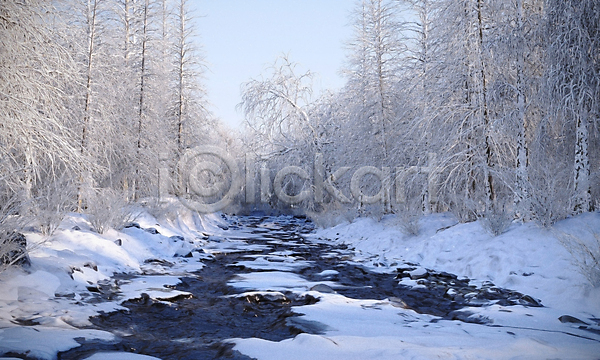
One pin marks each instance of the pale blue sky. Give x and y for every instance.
(240, 38)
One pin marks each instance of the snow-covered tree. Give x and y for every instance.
(188, 106)
(281, 129)
(277, 111)
(574, 80)
(35, 140)
(374, 63)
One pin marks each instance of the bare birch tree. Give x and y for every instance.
(277, 110)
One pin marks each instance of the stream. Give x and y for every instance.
(197, 326)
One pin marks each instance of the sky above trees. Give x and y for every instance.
(241, 38)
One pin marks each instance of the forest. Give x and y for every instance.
(486, 109)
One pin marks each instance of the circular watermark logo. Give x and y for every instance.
(209, 179)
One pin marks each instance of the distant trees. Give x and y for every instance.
(280, 125)
(491, 120)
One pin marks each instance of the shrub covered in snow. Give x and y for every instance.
(586, 254)
(52, 203)
(496, 222)
(107, 209)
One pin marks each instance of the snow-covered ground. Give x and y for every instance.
(41, 307)
(527, 258)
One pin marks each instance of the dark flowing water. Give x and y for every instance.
(195, 327)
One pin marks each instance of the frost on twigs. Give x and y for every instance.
(550, 198)
(13, 250)
(332, 217)
(410, 224)
(585, 252)
(496, 221)
(52, 202)
(107, 208)
(161, 208)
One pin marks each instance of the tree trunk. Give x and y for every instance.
(127, 21)
(180, 75)
(483, 103)
(583, 201)
(91, 30)
(522, 200)
(141, 102)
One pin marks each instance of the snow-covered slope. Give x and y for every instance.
(527, 258)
